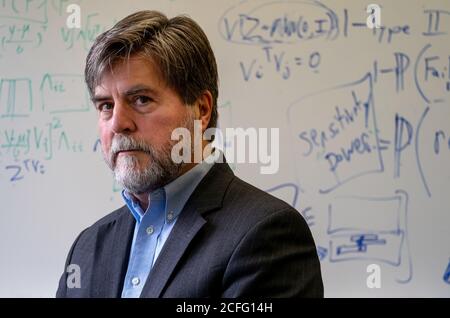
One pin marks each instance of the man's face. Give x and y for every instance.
(137, 114)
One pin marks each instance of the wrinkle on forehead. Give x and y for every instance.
(122, 69)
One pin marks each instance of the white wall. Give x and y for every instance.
(387, 203)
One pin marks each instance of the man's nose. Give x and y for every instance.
(122, 120)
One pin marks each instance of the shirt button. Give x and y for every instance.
(170, 216)
(135, 281)
(150, 230)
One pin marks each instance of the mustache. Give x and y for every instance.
(127, 143)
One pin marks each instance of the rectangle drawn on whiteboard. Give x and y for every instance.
(371, 228)
(344, 144)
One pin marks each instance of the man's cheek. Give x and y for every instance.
(107, 155)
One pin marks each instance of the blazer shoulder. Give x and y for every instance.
(258, 199)
(112, 217)
(104, 221)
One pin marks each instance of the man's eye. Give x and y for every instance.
(142, 100)
(105, 107)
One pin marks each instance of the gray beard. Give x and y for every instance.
(160, 170)
(156, 174)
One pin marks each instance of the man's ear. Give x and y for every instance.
(205, 104)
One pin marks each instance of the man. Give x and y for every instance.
(187, 229)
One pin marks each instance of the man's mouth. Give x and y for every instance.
(128, 151)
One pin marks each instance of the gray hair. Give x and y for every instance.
(178, 46)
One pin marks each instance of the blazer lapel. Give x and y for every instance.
(206, 197)
(112, 264)
(187, 226)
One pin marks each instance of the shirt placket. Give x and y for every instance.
(149, 230)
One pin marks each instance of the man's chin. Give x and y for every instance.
(133, 182)
(128, 171)
(131, 162)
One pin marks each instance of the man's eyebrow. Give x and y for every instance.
(139, 89)
(100, 98)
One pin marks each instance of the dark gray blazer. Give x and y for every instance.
(230, 240)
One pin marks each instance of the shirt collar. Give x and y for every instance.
(176, 193)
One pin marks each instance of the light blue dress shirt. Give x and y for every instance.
(154, 225)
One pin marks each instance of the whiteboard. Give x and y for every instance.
(363, 117)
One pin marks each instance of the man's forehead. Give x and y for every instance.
(130, 74)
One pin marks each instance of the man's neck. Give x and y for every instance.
(143, 198)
